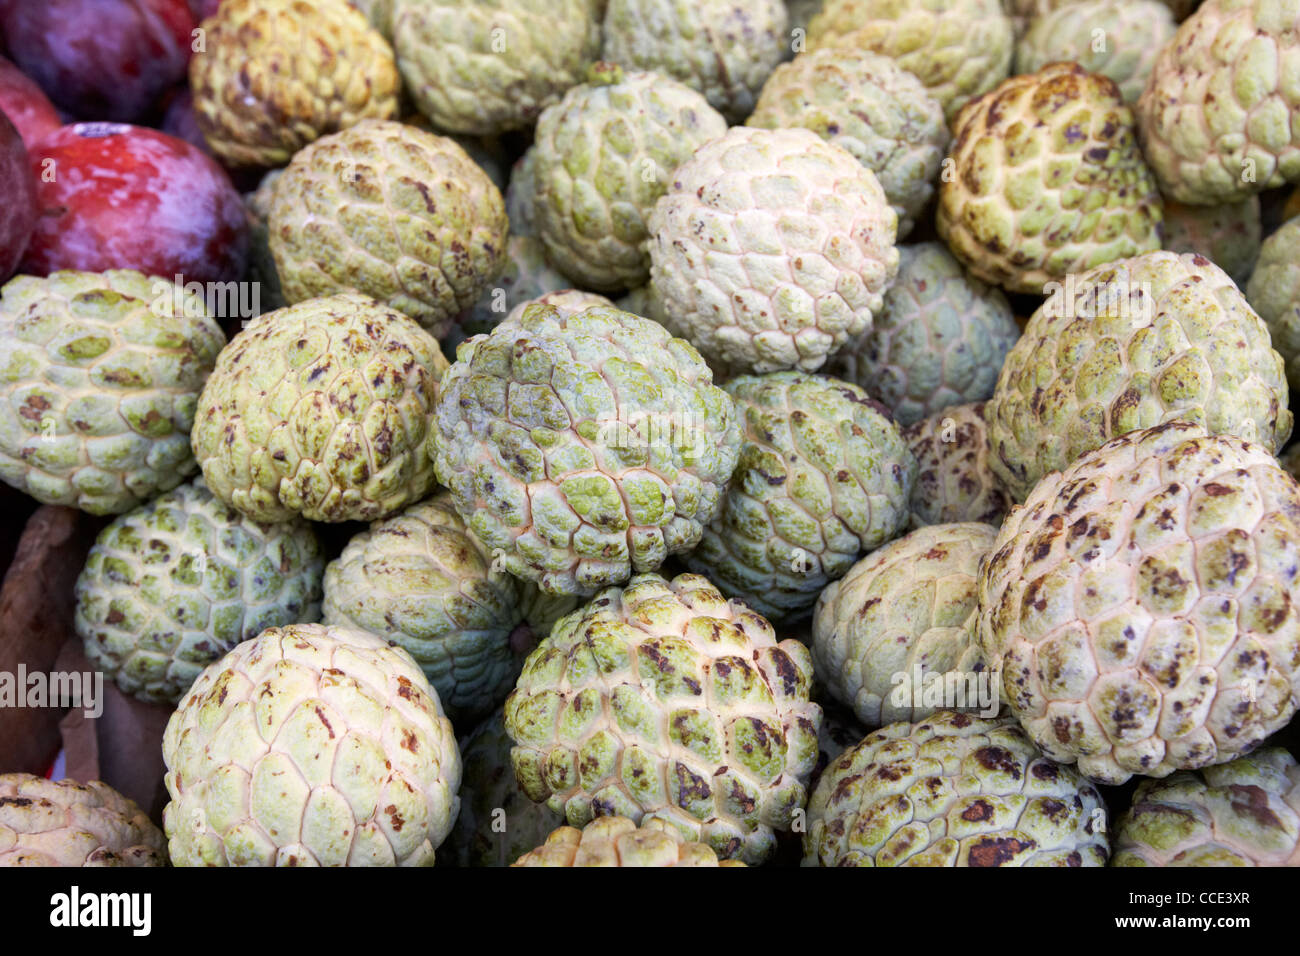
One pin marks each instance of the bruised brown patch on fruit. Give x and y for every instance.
(995, 851)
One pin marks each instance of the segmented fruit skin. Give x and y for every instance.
(939, 340)
(310, 746)
(1046, 180)
(953, 790)
(99, 378)
(824, 475)
(274, 75)
(725, 49)
(1228, 235)
(581, 448)
(1157, 338)
(617, 841)
(1218, 116)
(602, 157)
(906, 609)
(421, 582)
(746, 287)
(958, 49)
(872, 107)
(664, 701)
(1236, 814)
(65, 823)
(1119, 39)
(1274, 292)
(485, 67)
(954, 477)
(1138, 605)
(392, 212)
(173, 585)
(321, 409)
(497, 823)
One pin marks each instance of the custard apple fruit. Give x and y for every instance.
(958, 49)
(525, 278)
(1220, 115)
(939, 339)
(422, 583)
(772, 248)
(872, 107)
(310, 746)
(565, 301)
(1274, 292)
(99, 377)
(583, 447)
(65, 823)
(662, 700)
(1228, 235)
(824, 476)
(725, 49)
(954, 478)
(953, 790)
(395, 213)
(1139, 604)
(274, 75)
(1119, 39)
(894, 639)
(491, 66)
(1241, 813)
(618, 841)
(1047, 180)
(1153, 339)
(521, 196)
(172, 586)
(322, 410)
(602, 157)
(497, 823)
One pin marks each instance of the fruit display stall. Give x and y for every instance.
(824, 433)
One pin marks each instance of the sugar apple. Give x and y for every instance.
(491, 66)
(310, 746)
(953, 790)
(954, 478)
(1241, 813)
(321, 409)
(664, 701)
(939, 339)
(566, 301)
(1227, 235)
(895, 638)
(1135, 343)
(958, 49)
(403, 216)
(273, 75)
(497, 823)
(824, 476)
(602, 156)
(1046, 179)
(1220, 115)
(726, 49)
(772, 248)
(262, 274)
(99, 377)
(618, 841)
(1119, 39)
(1274, 292)
(521, 196)
(583, 447)
(872, 107)
(379, 13)
(525, 277)
(422, 583)
(172, 586)
(65, 823)
(1139, 604)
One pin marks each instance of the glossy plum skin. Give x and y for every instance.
(26, 104)
(100, 59)
(17, 198)
(113, 196)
